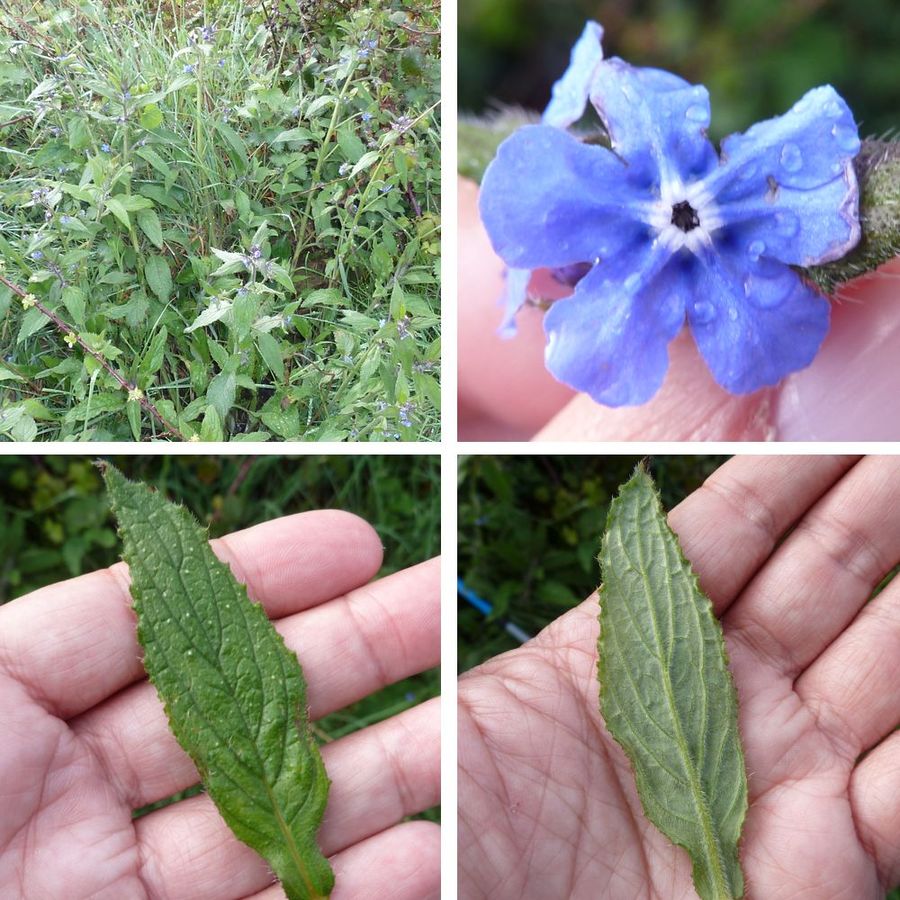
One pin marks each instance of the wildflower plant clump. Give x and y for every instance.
(654, 228)
(219, 225)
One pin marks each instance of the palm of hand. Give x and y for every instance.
(65, 830)
(84, 739)
(548, 805)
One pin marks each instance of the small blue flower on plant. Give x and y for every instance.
(660, 229)
(105, 148)
(366, 117)
(188, 69)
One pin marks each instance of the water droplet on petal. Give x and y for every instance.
(791, 157)
(833, 109)
(786, 223)
(696, 113)
(704, 312)
(756, 249)
(846, 137)
(631, 282)
(732, 314)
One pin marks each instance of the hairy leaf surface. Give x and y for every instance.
(234, 694)
(665, 690)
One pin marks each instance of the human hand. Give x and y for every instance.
(86, 741)
(851, 391)
(789, 549)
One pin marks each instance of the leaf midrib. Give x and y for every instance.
(712, 851)
(284, 828)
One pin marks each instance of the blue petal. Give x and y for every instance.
(570, 93)
(516, 295)
(788, 184)
(656, 121)
(610, 338)
(754, 324)
(549, 200)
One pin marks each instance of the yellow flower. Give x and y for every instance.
(28, 301)
(71, 339)
(135, 394)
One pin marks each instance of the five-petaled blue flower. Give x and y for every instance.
(661, 229)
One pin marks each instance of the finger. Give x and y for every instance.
(349, 648)
(820, 577)
(874, 793)
(690, 406)
(74, 644)
(502, 382)
(401, 864)
(729, 527)
(852, 389)
(852, 687)
(379, 775)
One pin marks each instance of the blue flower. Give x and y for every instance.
(363, 54)
(37, 254)
(669, 231)
(366, 117)
(105, 148)
(188, 69)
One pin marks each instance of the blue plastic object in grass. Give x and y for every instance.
(669, 231)
(486, 608)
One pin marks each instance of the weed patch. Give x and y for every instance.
(219, 226)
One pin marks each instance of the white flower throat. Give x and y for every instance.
(684, 216)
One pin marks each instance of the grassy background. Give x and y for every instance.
(756, 56)
(57, 523)
(529, 533)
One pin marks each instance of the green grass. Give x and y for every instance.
(529, 533)
(234, 213)
(58, 524)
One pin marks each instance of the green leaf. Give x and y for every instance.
(158, 276)
(325, 297)
(32, 322)
(351, 146)
(221, 392)
(148, 222)
(114, 205)
(293, 134)
(212, 313)
(234, 694)
(151, 117)
(665, 690)
(270, 351)
(211, 426)
(363, 163)
(74, 301)
(155, 354)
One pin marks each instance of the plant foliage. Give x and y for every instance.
(234, 693)
(665, 690)
(235, 214)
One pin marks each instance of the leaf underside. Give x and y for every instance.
(234, 693)
(666, 693)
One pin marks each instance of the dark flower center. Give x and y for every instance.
(685, 216)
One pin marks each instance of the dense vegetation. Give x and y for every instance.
(221, 222)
